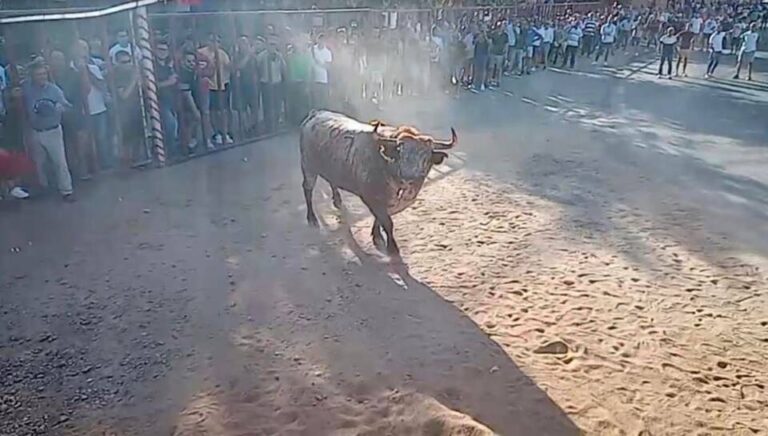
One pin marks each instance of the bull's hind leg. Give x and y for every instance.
(308, 184)
(336, 197)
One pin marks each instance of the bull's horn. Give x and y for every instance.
(376, 125)
(445, 145)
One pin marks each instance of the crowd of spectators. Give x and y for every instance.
(80, 110)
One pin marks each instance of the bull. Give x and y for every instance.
(383, 165)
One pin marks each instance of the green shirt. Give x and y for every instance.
(299, 65)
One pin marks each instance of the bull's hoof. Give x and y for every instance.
(312, 221)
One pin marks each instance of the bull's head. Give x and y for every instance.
(410, 156)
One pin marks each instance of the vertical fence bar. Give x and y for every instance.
(141, 41)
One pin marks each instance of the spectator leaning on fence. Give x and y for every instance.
(167, 87)
(218, 89)
(78, 140)
(127, 82)
(189, 114)
(246, 96)
(96, 98)
(45, 103)
(271, 70)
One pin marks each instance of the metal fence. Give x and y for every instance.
(149, 123)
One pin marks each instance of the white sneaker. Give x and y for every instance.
(594, 63)
(605, 64)
(19, 193)
(211, 146)
(482, 87)
(228, 139)
(192, 144)
(217, 138)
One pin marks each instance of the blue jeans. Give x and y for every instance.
(104, 147)
(480, 69)
(170, 129)
(714, 61)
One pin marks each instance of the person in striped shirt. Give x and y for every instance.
(589, 32)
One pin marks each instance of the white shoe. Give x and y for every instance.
(19, 193)
(217, 138)
(605, 64)
(228, 139)
(482, 87)
(594, 63)
(192, 144)
(211, 146)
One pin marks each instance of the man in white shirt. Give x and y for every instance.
(716, 49)
(322, 59)
(748, 49)
(696, 24)
(607, 38)
(547, 38)
(710, 26)
(123, 44)
(572, 39)
(514, 55)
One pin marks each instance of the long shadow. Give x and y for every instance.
(406, 339)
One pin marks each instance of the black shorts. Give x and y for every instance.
(245, 96)
(220, 100)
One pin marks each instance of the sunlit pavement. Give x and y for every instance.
(591, 255)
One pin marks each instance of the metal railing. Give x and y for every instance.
(185, 33)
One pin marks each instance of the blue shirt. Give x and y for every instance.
(532, 36)
(44, 105)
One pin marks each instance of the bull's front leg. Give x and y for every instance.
(377, 237)
(385, 221)
(308, 185)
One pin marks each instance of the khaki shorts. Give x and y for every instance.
(746, 57)
(685, 52)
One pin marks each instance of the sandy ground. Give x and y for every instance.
(590, 260)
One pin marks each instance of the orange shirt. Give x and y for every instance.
(217, 82)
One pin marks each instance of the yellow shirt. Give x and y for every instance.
(219, 81)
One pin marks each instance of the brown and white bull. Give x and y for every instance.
(383, 165)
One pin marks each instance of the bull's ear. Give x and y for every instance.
(389, 150)
(438, 157)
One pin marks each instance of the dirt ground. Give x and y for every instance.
(590, 260)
